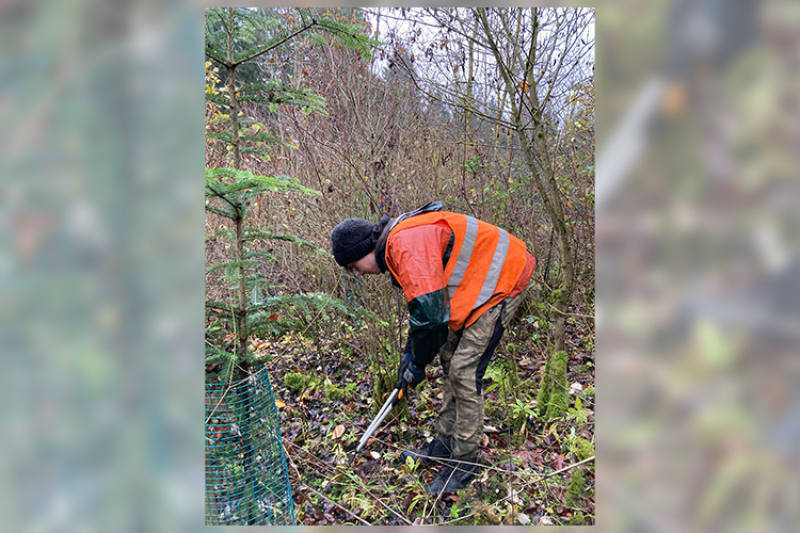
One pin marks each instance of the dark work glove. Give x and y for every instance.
(409, 375)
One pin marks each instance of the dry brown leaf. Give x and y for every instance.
(339, 431)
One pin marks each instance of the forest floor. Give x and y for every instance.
(323, 391)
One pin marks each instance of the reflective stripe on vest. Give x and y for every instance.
(486, 261)
(464, 256)
(492, 276)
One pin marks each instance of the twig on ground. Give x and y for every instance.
(569, 314)
(312, 489)
(358, 481)
(570, 467)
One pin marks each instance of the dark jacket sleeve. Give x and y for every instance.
(417, 256)
(429, 315)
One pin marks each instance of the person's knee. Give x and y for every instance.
(463, 385)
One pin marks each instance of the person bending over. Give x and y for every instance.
(463, 280)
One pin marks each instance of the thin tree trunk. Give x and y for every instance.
(241, 311)
(548, 188)
(234, 110)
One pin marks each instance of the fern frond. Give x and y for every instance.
(261, 136)
(251, 234)
(220, 211)
(227, 233)
(231, 266)
(220, 99)
(223, 136)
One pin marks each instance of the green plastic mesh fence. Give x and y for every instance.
(247, 479)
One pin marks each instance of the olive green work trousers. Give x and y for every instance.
(465, 357)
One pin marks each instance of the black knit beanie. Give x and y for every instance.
(354, 238)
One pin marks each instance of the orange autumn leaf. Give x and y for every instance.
(280, 403)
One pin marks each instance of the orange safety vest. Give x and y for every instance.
(485, 263)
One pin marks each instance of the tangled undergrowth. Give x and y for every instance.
(535, 471)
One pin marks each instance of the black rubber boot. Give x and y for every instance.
(438, 448)
(456, 474)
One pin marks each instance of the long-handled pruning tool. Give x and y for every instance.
(391, 401)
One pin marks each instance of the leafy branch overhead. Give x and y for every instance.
(237, 187)
(271, 92)
(249, 28)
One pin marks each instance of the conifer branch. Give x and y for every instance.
(271, 46)
(210, 52)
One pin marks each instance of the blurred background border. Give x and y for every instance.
(698, 278)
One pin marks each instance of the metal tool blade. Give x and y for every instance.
(387, 406)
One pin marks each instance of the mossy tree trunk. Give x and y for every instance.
(553, 397)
